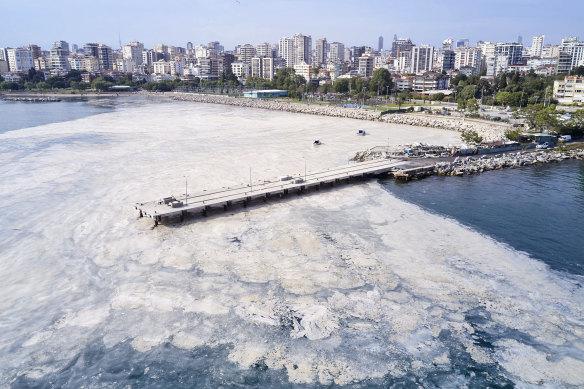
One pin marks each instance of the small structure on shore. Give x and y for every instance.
(263, 94)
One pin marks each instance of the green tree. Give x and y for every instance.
(79, 85)
(513, 134)
(530, 113)
(547, 119)
(504, 98)
(326, 88)
(1, 78)
(358, 84)
(100, 84)
(341, 85)
(402, 97)
(468, 92)
(574, 126)
(438, 96)
(381, 81)
(471, 137)
(577, 71)
(458, 78)
(472, 105)
(8, 85)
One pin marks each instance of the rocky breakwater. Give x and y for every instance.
(472, 165)
(488, 131)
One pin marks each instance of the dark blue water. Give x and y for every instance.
(15, 115)
(538, 209)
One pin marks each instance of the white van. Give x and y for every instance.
(565, 138)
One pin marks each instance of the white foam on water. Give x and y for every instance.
(340, 286)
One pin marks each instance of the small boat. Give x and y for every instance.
(361, 132)
(316, 143)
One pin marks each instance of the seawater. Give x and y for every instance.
(15, 115)
(536, 209)
(355, 286)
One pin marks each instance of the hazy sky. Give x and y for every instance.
(233, 22)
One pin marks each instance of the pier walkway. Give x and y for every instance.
(203, 202)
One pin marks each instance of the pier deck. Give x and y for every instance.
(202, 202)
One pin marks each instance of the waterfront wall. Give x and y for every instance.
(487, 130)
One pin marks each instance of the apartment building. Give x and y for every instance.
(19, 60)
(570, 90)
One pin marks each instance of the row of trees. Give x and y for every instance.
(508, 89)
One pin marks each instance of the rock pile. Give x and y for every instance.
(472, 165)
(488, 131)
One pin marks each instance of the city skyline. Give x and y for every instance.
(237, 22)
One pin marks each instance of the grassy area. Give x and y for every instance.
(573, 146)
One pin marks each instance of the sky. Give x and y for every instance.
(234, 22)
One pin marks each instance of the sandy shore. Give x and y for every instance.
(487, 130)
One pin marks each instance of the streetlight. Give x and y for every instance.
(186, 191)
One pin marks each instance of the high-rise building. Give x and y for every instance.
(356, 53)
(133, 52)
(574, 49)
(468, 57)
(380, 43)
(447, 44)
(262, 67)
(286, 51)
(103, 53)
(513, 51)
(225, 61)
(320, 51)
(59, 57)
(35, 51)
(537, 45)
(105, 57)
(246, 53)
(264, 49)
(19, 60)
(399, 45)
(302, 48)
(462, 43)
(296, 50)
(448, 60)
(216, 46)
(422, 58)
(337, 52)
(365, 64)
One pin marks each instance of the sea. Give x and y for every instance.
(446, 282)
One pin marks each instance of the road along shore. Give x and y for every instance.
(488, 131)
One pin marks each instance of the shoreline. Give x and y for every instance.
(489, 131)
(61, 95)
(470, 165)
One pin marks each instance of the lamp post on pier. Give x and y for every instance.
(186, 191)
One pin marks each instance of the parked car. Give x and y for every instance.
(565, 138)
(543, 146)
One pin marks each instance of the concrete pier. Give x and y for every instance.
(225, 198)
